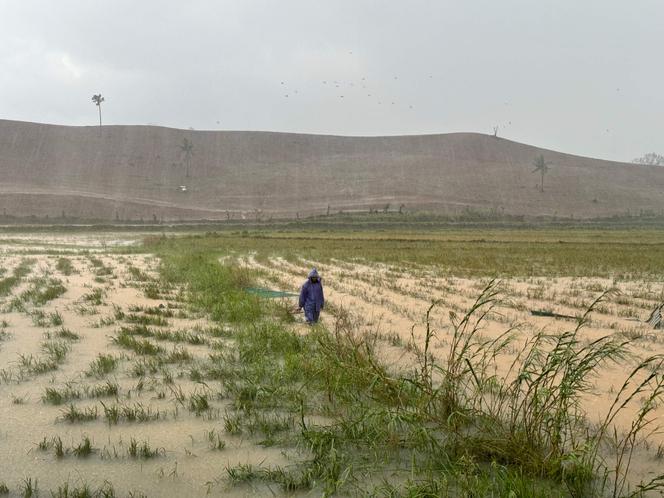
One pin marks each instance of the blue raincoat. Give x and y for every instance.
(311, 297)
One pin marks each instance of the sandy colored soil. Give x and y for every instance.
(134, 172)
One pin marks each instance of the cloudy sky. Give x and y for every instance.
(580, 76)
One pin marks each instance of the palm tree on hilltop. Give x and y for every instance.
(98, 99)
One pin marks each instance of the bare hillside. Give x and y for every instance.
(132, 172)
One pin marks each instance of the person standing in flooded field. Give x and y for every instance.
(311, 297)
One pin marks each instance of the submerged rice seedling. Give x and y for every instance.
(103, 365)
(73, 414)
(64, 266)
(156, 320)
(58, 396)
(83, 491)
(83, 449)
(29, 488)
(142, 347)
(55, 318)
(137, 274)
(143, 450)
(103, 390)
(95, 297)
(43, 290)
(66, 334)
(215, 442)
(199, 403)
(136, 412)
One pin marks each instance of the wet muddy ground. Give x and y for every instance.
(98, 357)
(79, 409)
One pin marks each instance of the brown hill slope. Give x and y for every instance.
(131, 172)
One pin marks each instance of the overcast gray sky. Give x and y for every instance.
(580, 76)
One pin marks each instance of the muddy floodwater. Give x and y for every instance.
(78, 407)
(90, 293)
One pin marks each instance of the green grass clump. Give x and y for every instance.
(55, 318)
(143, 450)
(215, 442)
(83, 490)
(29, 488)
(41, 319)
(125, 340)
(43, 290)
(55, 396)
(95, 297)
(153, 291)
(178, 355)
(22, 270)
(57, 350)
(103, 365)
(54, 353)
(104, 390)
(156, 320)
(213, 286)
(180, 336)
(153, 310)
(83, 449)
(64, 266)
(199, 403)
(137, 274)
(7, 284)
(67, 491)
(139, 330)
(135, 412)
(66, 334)
(73, 414)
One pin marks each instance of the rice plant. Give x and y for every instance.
(83, 449)
(199, 403)
(59, 396)
(64, 266)
(100, 391)
(215, 442)
(103, 365)
(143, 450)
(66, 334)
(29, 488)
(73, 414)
(141, 347)
(135, 412)
(95, 297)
(43, 290)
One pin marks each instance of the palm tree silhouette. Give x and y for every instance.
(98, 99)
(187, 148)
(543, 167)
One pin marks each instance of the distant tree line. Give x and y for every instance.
(650, 159)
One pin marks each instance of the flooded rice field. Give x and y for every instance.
(86, 399)
(111, 382)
